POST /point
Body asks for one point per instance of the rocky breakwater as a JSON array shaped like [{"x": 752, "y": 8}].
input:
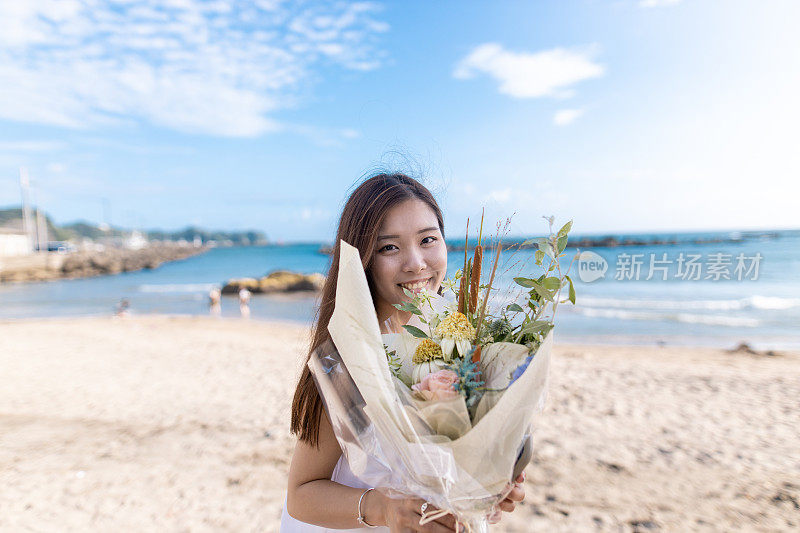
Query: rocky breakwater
[
  {"x": 41, "y": 267},
  {"x": 280, "y": 281}
]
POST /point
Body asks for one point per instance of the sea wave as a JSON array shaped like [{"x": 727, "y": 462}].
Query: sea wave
[
  {"x": 178, "y": 287},
  {"x": 690, "y": 318},
  {"x": 750, "y": 302}
]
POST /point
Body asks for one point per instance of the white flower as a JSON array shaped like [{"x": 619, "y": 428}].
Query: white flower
[{"x": 455, "y": 331}]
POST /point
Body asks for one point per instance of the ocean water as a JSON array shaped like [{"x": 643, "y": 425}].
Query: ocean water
[{"x": 710, "y": 303}]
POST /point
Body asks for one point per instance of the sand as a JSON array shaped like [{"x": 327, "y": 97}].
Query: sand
[{"x": 181, "y": 424}]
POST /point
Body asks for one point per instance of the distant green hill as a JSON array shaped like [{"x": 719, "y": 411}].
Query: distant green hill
[
  {"x": 238, "y": 238},
  {"x": 12, "y": 218}
]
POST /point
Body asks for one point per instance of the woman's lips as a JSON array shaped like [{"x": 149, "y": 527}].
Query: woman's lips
[{"x": 416, "y": 286}]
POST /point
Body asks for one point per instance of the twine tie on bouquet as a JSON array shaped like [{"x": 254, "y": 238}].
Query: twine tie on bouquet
[{"x": 433, "y": 514}]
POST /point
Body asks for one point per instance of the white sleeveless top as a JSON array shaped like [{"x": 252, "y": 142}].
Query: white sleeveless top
[{"x": 341, "y": 474}]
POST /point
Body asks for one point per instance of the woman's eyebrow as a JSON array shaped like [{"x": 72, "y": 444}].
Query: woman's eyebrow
[{"x": 383, "y": 237}]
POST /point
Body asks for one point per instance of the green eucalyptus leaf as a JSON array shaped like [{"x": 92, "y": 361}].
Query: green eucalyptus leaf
[
  {"x": 514, "y": 307},
  {"x": 536, "y": 326},
  {"x": 571, "y": 290},
  {"x": 552, "y": 283},
  {"x": 562, "y": 243},
  {"x": 541, "y": 291},
  {"x": 525, "y": 282},
  {"x": 547, "y": 249},
  {"x": 539, "y": 255},
  {"x": 565, "y": 229},
  {"x": 416, "y": 332},
  {"x": 409, "y": 307}
]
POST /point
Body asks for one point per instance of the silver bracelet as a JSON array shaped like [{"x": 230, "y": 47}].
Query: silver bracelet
[{"x": 360, "y": 514}]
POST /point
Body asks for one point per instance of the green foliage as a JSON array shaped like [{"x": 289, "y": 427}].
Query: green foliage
[
  {"x": 500, "y": 329},
  {"x": 468, "y": 385},
  {"x": 409, "y": 307},
  {"x": 571, "y": 290},
  {"x": 415, "y": 331},
  {"x": 544, "y": 292},
  {"x": 394, "y": 361}
]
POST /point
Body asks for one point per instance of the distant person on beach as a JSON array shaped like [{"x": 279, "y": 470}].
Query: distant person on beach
[
  {"x": 123, "y": 308},
  {"x": 214, "y": 296},
  {"x": 244, "y": 302}
]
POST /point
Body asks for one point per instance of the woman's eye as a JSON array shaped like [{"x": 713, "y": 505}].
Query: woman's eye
[{"x": 388, "y": 247}]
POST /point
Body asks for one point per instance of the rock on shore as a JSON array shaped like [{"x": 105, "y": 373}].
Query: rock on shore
[
  {"x": 41, "y": 267},
  {"x": 278, "y": 281}
]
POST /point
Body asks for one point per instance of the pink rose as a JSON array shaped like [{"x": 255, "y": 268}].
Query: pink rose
[{"x": 438, "y": 385}]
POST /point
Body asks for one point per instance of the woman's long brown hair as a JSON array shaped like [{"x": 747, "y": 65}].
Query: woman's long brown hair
[{"x": 359, "y": 223}]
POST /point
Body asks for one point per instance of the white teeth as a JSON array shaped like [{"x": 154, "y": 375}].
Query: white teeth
[{"x": 415, "y": 286}]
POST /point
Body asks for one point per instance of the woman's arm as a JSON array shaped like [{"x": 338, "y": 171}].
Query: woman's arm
[{"x": 313, "y": 498}]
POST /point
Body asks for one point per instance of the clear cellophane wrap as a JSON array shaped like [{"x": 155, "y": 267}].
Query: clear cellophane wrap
[{"x": 425, "y": 449}]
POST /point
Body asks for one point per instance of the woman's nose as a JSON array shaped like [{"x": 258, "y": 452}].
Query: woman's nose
[{"x": 415, "y": 261}]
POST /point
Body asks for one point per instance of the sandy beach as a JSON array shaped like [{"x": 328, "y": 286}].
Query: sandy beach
[{"x": 181, "y": 424}]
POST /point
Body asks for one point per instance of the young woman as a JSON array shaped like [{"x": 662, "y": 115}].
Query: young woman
[{"x": 397, "y": 226}]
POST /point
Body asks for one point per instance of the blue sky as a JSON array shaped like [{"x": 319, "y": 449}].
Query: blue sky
[{"x": 622, "y": 115}]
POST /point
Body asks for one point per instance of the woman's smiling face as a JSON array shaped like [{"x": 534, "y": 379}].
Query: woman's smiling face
[{"x": 411, "y": 253}]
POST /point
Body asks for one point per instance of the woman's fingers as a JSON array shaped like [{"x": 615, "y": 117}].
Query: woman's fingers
[
  {"x": 517, "y": 494},
  {"x": 506, "y": 505},
  {"x": 435, "y": 527}
]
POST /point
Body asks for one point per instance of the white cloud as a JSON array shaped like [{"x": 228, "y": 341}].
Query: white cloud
[
  {"x": 658, "y": 3},
  {"x": 530, "y": 75},
  {"x": 566, "y": 116},
  {"x": 202, "y": 67}
]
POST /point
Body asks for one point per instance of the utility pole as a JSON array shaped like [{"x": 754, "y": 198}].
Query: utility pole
[
  {"x": 41, "y": 223},
  {"x": 41, "y": 230},
  {"x": 27, "y": 223}
]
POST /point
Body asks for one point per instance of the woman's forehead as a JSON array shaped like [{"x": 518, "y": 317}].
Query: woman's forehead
[{"x": 409, "y": 217}]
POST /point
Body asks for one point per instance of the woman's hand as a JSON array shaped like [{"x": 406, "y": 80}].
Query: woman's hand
[
  {"x": 402, "y": 515},
  {"x": 517, "y": 494}
]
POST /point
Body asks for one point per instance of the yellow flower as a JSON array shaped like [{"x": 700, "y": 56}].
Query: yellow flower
[
  {"x": 426, "y": 351},
  {"x": 455, "y": 332}
]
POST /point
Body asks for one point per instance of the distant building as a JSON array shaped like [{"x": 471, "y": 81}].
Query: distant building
[
  {"x": 136, "y": 241},
  {"x": 14, "y": 243}
]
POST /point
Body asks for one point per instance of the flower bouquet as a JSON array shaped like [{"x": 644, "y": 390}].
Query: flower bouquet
[{"x": 442, "y": 408}]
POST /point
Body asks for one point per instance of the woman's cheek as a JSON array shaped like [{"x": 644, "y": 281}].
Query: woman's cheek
[{"x": 387, "y": 272}]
